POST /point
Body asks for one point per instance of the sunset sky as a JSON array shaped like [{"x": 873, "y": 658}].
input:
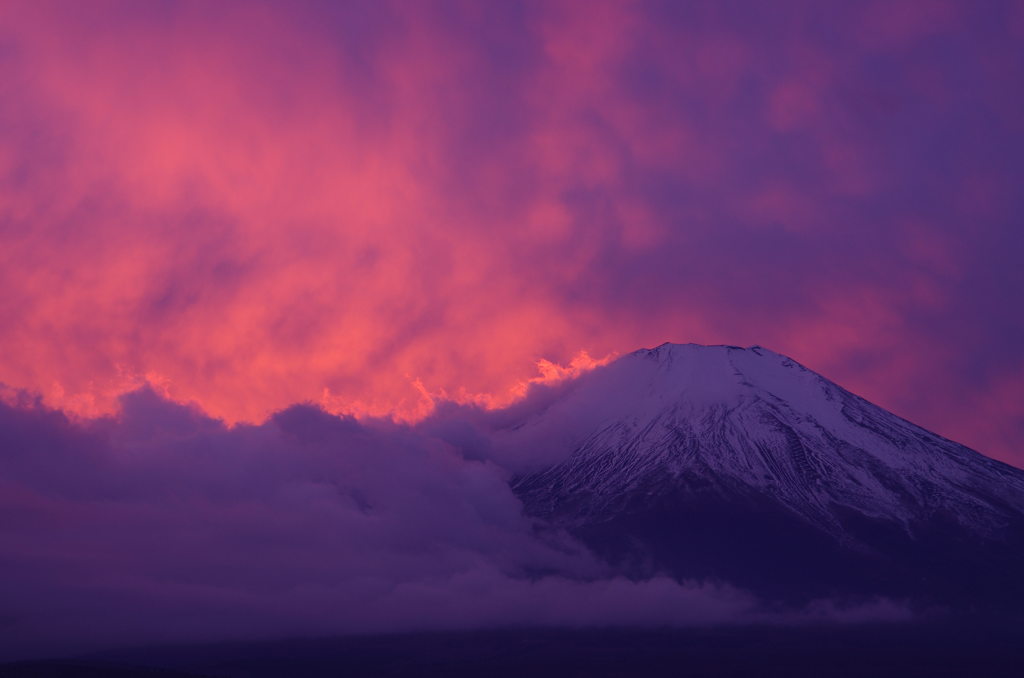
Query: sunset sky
[
  {"x": 372, "y": 206},
  {"x": 274, "y": 273}
]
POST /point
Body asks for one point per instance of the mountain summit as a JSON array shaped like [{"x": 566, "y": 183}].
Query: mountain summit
[{"x": 743, "y": 465}]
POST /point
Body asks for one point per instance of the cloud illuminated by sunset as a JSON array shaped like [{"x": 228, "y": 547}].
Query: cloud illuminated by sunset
[{"x": 374, "y": 205}]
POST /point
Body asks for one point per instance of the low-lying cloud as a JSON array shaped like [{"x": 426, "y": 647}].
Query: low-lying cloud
[{"x": 164, "y": 525}]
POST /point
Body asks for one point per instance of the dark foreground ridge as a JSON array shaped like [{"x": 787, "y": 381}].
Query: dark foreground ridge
[{"x": 905, "y": 651}]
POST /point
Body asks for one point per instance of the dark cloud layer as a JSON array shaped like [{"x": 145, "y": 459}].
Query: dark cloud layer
[{"x": 163, "y": 525}]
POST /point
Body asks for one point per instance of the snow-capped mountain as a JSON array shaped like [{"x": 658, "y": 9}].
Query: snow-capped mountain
[{"x": 741, "y": 464}]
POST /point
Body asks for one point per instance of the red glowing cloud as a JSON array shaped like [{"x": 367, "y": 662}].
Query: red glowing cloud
[{"x": 372, "y": 206}]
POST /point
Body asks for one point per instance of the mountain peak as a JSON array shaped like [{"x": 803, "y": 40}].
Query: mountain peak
[
  {"x": 680, "y": 435},
  {"x": 670, "y": 346},
  {"x": 724, "y": 355},
  {"x": 673, "y": 349},
  {"x": 698, "y": 375}
]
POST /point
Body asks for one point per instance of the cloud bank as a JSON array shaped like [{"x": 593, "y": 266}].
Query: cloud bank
[{"x": 162, "y": 525}]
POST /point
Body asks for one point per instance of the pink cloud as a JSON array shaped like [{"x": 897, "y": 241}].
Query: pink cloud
[{"x": 256, "y": 206}]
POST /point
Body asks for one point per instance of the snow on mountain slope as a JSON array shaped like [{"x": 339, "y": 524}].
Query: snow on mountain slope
[{"x": 680, "y": 416}]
